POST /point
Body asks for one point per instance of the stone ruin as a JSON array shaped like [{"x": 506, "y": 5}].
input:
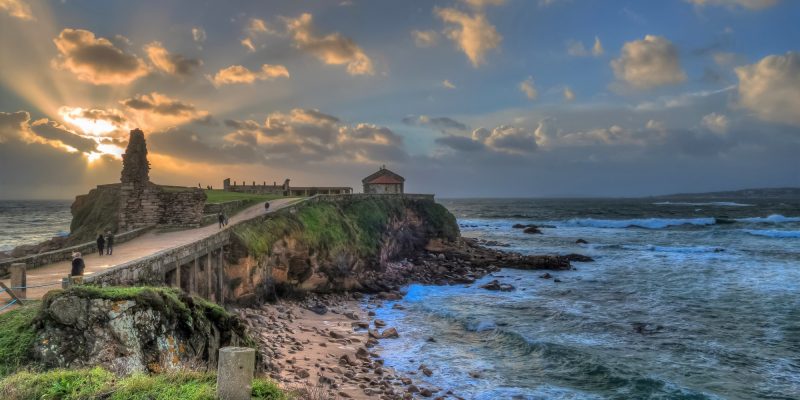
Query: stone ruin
[{"x": 143, "y": 203}]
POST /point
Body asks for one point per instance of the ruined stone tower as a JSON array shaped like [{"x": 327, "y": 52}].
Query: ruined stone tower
[{"x": 139, "y": 199}]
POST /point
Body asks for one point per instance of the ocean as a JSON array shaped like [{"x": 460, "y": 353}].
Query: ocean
[
  {"x": 32, "y": 221},
  {"x": 686, "y": 300}
]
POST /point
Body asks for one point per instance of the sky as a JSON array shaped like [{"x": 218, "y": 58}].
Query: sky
[{"x": 464, "y": 98}]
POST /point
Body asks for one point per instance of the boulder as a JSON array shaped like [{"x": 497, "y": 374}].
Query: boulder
[
  {"x": 389, "y": 333},
  {"x": 496, "y": 285},
  {"x": 581, "y": 241},
  {"x": 579, "y": 257},
  {"x": 532, "y": 230}
]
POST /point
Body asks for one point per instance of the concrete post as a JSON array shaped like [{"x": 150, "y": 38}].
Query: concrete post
[
  {"x": 235, "y": 373},
  {"x": 209, "y": 280},
  {"x": 66, "y": 283},
  {"x": 177, "y": 276},
  {"x": 193, "y": 275},
  {"x": 220, "y": 279},
  {"x": 18, "y": 280}
]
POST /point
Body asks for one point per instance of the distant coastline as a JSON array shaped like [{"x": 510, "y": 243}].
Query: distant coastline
[{"x": 760, "y": 193}]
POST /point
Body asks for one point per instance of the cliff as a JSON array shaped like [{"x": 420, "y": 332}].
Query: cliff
[
  {"x": 125, "y": 330},
  {"x": 332, "y": 245},
  {"x": 94, "y": 212}
]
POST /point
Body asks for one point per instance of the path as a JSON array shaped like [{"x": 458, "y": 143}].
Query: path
[{"x": 141, "y": 246}]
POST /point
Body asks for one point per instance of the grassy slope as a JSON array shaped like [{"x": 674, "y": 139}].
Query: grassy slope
[
  {"x": 220, "y": 196},
  {"x": 17, "y": 334},
  {"x": 97, "y": 382},
  {"x": 358, "y": 225}
]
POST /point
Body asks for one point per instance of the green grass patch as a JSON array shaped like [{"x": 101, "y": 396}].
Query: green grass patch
[
  {"x": 17, "y": 334},
  {"x": 98, "y": 383},
  {"x": 220, "y": 196}
]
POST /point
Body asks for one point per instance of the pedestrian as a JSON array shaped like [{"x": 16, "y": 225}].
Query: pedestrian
[
  {"x": 266, "y": 206},
  {"x": 101, "y": 244},
  {"x": 109, "y": 242},
  {"x": 221, "y": 219},
  {"x": 226, "y": 219},
  {"x": 76, "y": 274}
]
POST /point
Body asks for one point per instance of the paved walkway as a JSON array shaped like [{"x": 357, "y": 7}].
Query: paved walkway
[{"x": 141, "y": 246}]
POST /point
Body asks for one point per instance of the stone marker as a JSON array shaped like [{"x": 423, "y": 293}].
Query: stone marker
[
  {"x": 18, "y": 280},
  {"x": 235, "y": 373}
]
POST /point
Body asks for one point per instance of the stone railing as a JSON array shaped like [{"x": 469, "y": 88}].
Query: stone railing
[{"x": 37, "y": 260}]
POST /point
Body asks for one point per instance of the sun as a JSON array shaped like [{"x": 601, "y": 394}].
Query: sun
[{"x": 82, "y": 118}]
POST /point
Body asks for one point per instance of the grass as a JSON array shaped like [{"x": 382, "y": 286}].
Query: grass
[
  {"x": 216, "y": 196},
  {"x": 17, "y": 334},
  {"x": 98, "y": 383}
]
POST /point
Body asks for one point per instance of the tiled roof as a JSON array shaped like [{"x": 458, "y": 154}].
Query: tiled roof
[
  {"x": 383, "y": 172},
  {"x": 386, "y": 179}
]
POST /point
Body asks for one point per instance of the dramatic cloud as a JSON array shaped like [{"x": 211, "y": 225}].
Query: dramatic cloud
[
  {"x": 240, "y": 74},
  {"x": 527, "y": 87},
  {"x": 439, "y": 123},
  {"x": 12, "y": 124},
  {"x": 472, "y": 33},
  {"x": 647, "y": 63},
  {"x": 717, "y": 123},
  {"x": 155, "y": 111},
  {"x": 771, "y": 88},
  {"x": 96, "y": 60},
  {"x": 17, "y": 9},
  {"x": 749, "y": 4},
  {"x": 597, "y": 49},
  {"x": 483, "y": 3},
  {"x": 569, "y": 95},
  {"x": 95, "y": 121},
  {"x": 332, "y": 49},
  {"x": 448, "y": 85},
  {"x": 174, "y": 64},
  {"x": 51, "y": 130},
  {"x": 425, "y": 38},
  {"x": 18, "y": 127}
]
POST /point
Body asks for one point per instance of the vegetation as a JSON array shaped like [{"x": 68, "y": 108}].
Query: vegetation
[
  {"x": 17, "y": 334},
  {"x": 92, "y": 213},
  {"x": 358, "y": 224},
  {"x": 220, "y": 196},
  {"x": 99, "y": 383}
]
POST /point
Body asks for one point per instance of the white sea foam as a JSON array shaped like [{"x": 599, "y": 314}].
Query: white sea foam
[
  {"x": 772, "y": 219},
  {"x": 774, "y": 233},
  {"x": 711, "y": 203},
  {"x": 647, "y": 223}
]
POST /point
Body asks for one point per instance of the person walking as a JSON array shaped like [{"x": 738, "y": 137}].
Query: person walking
[
  {"x": 109, "y": 242},
  {"x": 76, "y": 274},
  {"x": 101, "y": 244},
  {"x": 266, "y": 206},
  {"x": 221, "y": 219}
]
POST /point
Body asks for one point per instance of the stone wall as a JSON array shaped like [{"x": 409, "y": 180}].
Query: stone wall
[{"x": 183, "y": 208}]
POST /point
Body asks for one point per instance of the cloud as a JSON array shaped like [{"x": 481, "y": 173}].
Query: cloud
[
  {"x": 299, "y": 136},
  {"x": 425, "y": 38},
  {"x": 527, "y": 87},
  {"x": 174, "y": 64},
  {"x": 647, "y": 63},
  {"x": 771, "y": 88},
  {"x": 717, "y": 123},
  {"x": 448, "y": 85},
  {"x": 240, "y": 74},
  {"x": 17, "y": 9},
  {"x": 654, "y": 125},
  {"x": 12, "y": 124},
  {"x": 331, "y": 49},
  {"x": 479, "y": 4},
  {"x": 51, "y": 130},
  {"x": 597, "y": 48},
  {"x": 155, "y": 111},
  {"x": 472, "y": 33},
  {"x": 576, "y": 48},
  {"x": 96, "y": 60},
  {"x": 440, "y": 123},
  {"x": 748, "y": 4},
  {"x": 198, "y": 34},
  {"x": 95, "y": 121},
  {"x": 569, "y": 95},
  {"x": 255, "y": 28},
  {"x": 502, "y": 139}
]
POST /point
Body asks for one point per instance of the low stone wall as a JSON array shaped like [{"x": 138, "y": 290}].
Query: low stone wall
[
  {"x": 181, "y": 208},
  {"x": 214, "y": 208},
  {"x": 37, "y": 260}
]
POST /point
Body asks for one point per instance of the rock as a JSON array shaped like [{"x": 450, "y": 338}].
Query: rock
[
  {"x": 431, "y": 339},
  {"x": 425, "y": 392},
  {"x": 474, "y": 374},
  {"x": 412, "y": 389},
  {"x": 362, "y": 353},
  {"x": 427, "y": 371},
  {"x": 496, "y": 285},
  {"x": 346, "y": 360},
  {"x": 318, "y": 309},
  {"x": 519, "y": 226},
  {"x": 390, "y": 333},
  {"x": 581, "y": 241},
  {"x": 351, "y": 315},
  {"x": 532, "y": 230},
  {"x": 302, "y": 374},
  {"x": 579, "y": 257},
  {"x": 557, "y": 280},
  {"x": 546, "y": 275},
  {"x": 379, "y": 323}
]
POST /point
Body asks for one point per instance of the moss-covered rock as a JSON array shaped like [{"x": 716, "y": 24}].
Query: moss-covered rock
[{"x": 134, "y": 329}]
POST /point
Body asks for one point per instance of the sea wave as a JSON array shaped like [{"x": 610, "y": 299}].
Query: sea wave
[
  {"x": 674, "y": 249},
  {"x": 711, "y": 203},
  {"x": 774, "y": 233},
  {"x": 646, "y": 223},
  {"x": 772, "y": 219}
]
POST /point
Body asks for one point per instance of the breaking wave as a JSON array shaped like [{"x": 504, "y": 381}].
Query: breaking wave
[
  {"x": 774, "y": 233},
  {"x": 712, "y": 203},
  {"x": 772, "y": 219},
  {"x": 647, "y": 223}
]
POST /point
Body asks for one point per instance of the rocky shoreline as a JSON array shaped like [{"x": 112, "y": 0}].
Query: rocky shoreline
[{"x": 325, "y": 344}]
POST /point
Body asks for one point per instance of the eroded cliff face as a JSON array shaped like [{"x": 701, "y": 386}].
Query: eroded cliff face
[
  {"x": 129, "y": 330},
  {"x": 331, "y": 246}
]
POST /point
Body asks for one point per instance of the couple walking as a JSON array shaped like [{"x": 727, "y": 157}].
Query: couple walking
[{"x": 105, "y": 243}]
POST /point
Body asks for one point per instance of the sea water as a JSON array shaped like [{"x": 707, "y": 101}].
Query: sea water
[
  {"x": 686, "y": 300},
  {"x": 32, "y": 221}
]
